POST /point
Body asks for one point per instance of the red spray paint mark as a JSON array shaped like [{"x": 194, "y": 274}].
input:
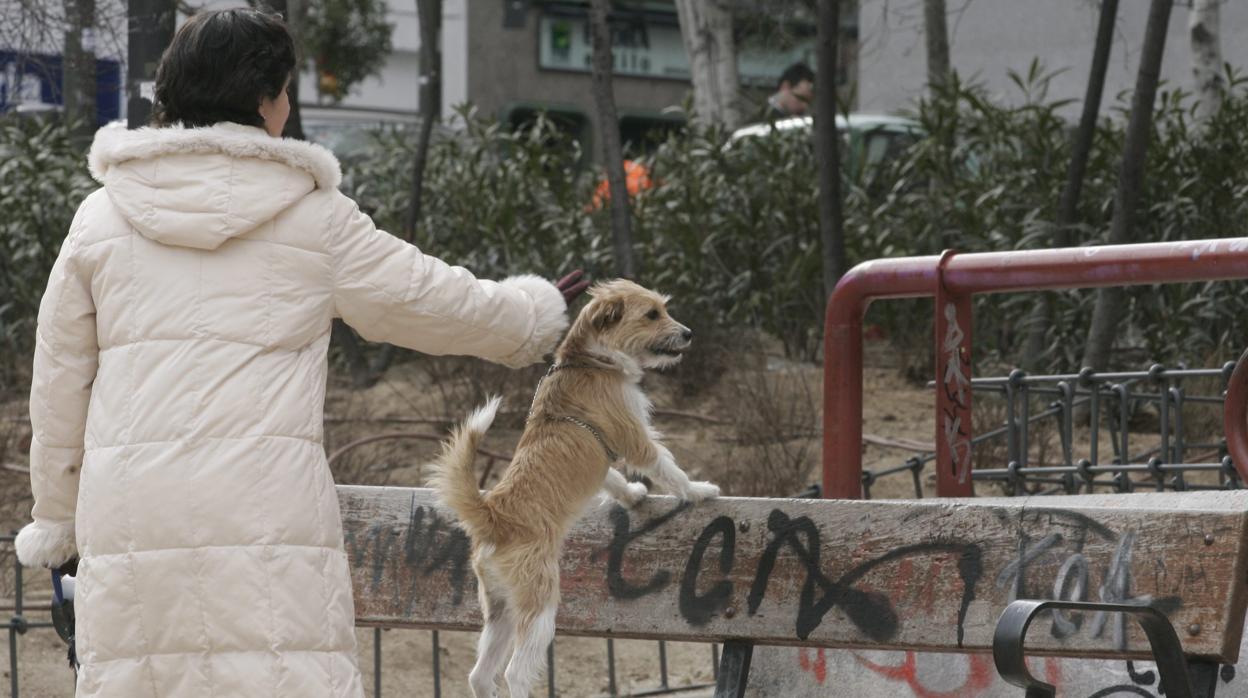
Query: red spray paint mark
[
  {"x": 818, "y": 667},
  {"x": 979, "y": 676},
  {"x": 928, "y": 589},
  {"x": 1053, "y": 671}
]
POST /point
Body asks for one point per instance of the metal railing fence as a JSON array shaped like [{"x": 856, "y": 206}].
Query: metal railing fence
[{"x": 1099, "y": 407}]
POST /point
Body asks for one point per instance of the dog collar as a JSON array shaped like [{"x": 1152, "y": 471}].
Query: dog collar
[
  {"x": 553, "y": 367},
  {"x": 560, "y": 367}
]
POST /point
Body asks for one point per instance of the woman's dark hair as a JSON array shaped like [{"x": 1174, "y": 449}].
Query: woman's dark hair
[{"x": 220, "y": 65}]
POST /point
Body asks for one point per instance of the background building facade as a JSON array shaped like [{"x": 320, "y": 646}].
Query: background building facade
[{"x": 989, "y": 39}]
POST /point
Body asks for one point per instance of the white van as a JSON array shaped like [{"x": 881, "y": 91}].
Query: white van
[{"x": 871, "y": 138}]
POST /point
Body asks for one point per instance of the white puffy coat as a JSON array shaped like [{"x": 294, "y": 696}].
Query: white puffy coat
[{"x": 179, "y": 384}]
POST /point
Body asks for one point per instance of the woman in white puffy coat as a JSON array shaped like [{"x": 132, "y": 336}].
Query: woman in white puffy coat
[{"x": 179, "y": 382}]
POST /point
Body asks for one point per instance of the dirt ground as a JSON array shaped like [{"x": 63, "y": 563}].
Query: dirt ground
[{"x": 721, "y": 416}]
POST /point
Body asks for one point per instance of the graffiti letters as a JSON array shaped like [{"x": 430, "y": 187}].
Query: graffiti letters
[
  {"x": 956, "y": 386},
  {"x": 785, "y": 569},
  {"x": 698, "y": 608},
  {"x": 622, "y": 535},
  {"x": 871, "y": 611},
  {"x": 429, "y": 543},
  {"x": 1072, "y": 579}
]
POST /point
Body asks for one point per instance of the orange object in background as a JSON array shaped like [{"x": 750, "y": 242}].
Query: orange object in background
[{"x": 636, "y": 180}]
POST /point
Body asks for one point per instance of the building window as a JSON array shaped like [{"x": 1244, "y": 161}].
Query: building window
[{"x": 642, "y": 133}]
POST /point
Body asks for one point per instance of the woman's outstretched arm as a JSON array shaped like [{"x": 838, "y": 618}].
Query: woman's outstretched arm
[{"x": 389, "y": 291}]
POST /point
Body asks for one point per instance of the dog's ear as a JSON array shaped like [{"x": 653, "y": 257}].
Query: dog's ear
[{"x": 606, "y": 312}]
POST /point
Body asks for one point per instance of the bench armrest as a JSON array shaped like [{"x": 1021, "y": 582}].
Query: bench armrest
[{"x": 1008, "y": 641}]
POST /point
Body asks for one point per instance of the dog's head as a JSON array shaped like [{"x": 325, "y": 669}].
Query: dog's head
[{"x": 626, "y": 318}]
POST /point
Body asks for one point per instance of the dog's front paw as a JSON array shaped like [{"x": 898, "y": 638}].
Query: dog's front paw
[
  {"x": 700, "y": 491},
  {"x": 634, "y": 494}
]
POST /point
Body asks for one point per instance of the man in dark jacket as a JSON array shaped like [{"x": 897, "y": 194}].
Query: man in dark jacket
[{"x": 794, "y": 92}]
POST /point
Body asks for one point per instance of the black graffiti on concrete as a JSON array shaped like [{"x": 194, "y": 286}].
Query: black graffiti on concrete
[
  {"x": 1125, "y": 689},
  {"x": 436, "y": 545},
  {"x": 377, "y": 538},
  {"x": 1074, "y": 532},
  {"x": 1147, "y": 678},
  {"x": 871, "y": 612},
  {"x": 429, "y": 544},
  {"x": 699, "y": 608},
  {"x": 1072, "y": 582},
  {"x": 1140, "y": 678},
  {"x": 622, "y": 535}
]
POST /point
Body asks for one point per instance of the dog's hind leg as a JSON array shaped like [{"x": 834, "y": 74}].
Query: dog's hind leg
[
  {"x": 530, "y": 654},
  {"x": 535, "y": 631},
  {"x": 497, "y": 638}
]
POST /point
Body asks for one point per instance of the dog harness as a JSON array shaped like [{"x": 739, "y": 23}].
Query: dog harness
[{"x": 612, "y": 456}]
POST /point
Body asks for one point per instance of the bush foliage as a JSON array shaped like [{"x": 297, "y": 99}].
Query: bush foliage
[
  {"x": 43, "y": 178},
  {"x": 732, "y": 230},
  {"x": 995, "y": 175}
]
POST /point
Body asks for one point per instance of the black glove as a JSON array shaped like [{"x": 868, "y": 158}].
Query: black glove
[{"x": 572, "y": 285}]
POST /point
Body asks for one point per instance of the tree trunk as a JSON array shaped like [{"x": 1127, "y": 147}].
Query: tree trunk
[
  {"x": 78, "y": 80},
  {"x": 1206, "y": 57},
  {"x": 293, "y": 11},
  {"x": 1110, "y": 301},
  {"x": 827, "y": 144},
  {"x": 937, "y": 34},
  {"x": 150, "y": 30},
  {"x": 706, "y": 26},
  {"x": 429, "y": 16},
  {"x": 608, "y": 128},
  {"x": 1068, "y": 204}
]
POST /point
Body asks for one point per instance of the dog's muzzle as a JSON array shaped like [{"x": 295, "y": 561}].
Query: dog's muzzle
[{"x": 675, "y": 346}]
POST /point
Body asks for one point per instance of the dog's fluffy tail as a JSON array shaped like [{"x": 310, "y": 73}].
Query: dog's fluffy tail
[{"x": 455, "y": 479}]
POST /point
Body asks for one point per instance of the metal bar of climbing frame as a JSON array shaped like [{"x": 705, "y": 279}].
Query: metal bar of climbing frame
[{"x": 988, "y": 272}]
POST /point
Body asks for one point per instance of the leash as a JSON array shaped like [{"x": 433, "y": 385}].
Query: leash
[{"x": 612, "y": 456}]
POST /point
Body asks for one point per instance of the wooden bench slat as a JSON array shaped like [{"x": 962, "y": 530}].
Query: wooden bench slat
[{"x": 925, "y": 574}]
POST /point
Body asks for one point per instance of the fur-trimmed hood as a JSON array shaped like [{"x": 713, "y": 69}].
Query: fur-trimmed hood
[{"x": 198, "y": 187}]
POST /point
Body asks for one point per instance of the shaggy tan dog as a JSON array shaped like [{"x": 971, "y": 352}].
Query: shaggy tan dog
[{"x": 589, "y": 412}]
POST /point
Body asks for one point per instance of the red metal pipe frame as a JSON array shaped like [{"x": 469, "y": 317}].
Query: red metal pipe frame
[
  {"x": 953, "y": 385},
  {"x": 1235, "y": 416},
  {"x": 996, "y": 272}
]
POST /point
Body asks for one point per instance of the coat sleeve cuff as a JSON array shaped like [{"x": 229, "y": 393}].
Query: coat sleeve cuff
[
  {"x": 550, "y": 313},
  {"x": 49, "y": 545}
]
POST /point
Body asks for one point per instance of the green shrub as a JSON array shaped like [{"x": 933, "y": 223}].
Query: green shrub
[
  {"x": 495, "y": 201},
  {"x": 732, "y": 231},
  {"x": 43, "y": 179},
  {"x": 989, "y": 178}
]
